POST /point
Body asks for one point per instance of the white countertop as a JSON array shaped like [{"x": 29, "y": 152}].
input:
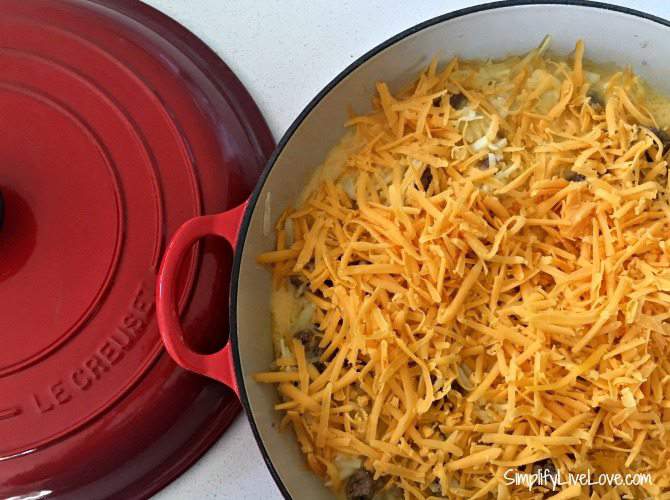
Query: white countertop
[{"x": 285, "y": 52}]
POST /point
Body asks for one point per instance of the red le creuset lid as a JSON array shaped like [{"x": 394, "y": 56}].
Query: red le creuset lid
[{"x": 116, "y": 126}]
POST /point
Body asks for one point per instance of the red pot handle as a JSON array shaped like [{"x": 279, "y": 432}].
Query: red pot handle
[{"x": 219, "y": 365}]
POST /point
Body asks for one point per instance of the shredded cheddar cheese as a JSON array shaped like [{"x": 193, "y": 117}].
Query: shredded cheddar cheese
[{"x": 484, "y": 285}]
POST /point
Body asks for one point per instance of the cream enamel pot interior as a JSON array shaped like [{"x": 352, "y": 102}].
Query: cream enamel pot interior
[{"x": 611, "y": 34}]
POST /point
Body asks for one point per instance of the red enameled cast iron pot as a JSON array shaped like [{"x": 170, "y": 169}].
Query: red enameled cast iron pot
[
  {"x": 489, "y": 31},
  {"x": 118, "y": 125}
]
